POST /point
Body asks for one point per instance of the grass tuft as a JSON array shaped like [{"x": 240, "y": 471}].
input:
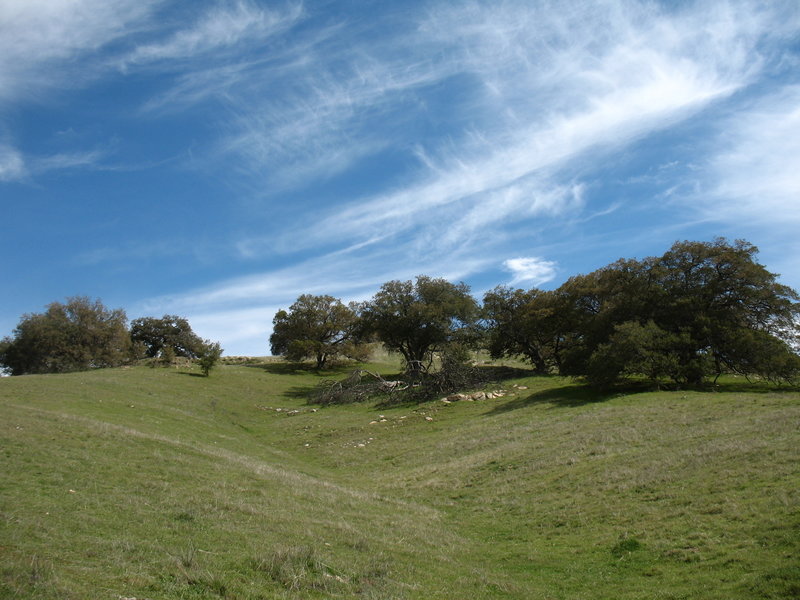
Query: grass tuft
[
  {"x": 298, "y": 568},
  {"x": 625, "y": 546}
]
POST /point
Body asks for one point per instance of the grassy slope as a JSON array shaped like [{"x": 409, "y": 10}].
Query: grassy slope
[{"x": 160, "y": 484}]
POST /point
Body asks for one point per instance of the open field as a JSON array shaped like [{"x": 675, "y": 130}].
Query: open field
[{"x": 160, "y": 484}]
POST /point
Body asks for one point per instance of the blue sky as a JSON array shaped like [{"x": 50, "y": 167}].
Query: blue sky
[{"x": 215, "y": 159}]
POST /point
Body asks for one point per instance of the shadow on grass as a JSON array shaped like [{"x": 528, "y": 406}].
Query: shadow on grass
[
  {"x": 300, "y": 392},
  {"x": 566, "y": 396},
  {"x": 579, "y": 394},
  {"x": 191, "y": 374},
  {"x": 499, "y": 373},
  {"x": 303, "y": 368},
  {"x": 740, "y": 385},
  {"x": 283, "y": 368}
]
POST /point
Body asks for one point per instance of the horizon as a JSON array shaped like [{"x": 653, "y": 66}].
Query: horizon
[{"x": 217, "y": 159}]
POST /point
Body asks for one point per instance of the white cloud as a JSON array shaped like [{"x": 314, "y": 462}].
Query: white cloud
[
  {"x": 336, "y": 273},
  {"x": 66, "y": 161},
  {"x": 533, "y": 270},
  {"x": 219, "y": 28},
  {"x": 341, "y": 106},
  {"x": 39, "y": 40},
  {"x": 608, "y": 76},
  {"x": 12, "y": 165},
  {"x": 756, "y": 171}
]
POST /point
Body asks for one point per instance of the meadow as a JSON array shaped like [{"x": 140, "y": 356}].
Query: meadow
[{"x": 162, "y": 484}]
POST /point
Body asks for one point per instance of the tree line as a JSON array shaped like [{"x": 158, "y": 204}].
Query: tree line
[
  {"x": 82, "y": 334},
  {"x": 700, "y": 310}
]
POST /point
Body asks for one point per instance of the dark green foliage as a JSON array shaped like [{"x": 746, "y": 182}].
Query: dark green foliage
[
  {"x": 637, "y": 349},
  {"x": 80, "y": 334},
  {"x": 526, "y": 323},
  {"x": 418, "y": 318},
  {"x": 166, "y": 358},
  {"x": 209, "y": 355},
  {"x": 170, "y": 331},
  {"x": 318, "y": 327},
  {"x": 700, "y": 310}
]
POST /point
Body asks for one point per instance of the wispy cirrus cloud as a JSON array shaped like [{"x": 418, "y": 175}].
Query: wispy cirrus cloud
[
  {"x": 318, "y": 275},
  {"x": 12, "y": 165},
  {"x": 610, "y": 76},
  {"x": 221, "y": 27},
  {"x": 343, "y": 102},
  {"x": 15, "y": 166},
  {"x": 48, "y": 45},
  {"x": 40, "y": 40},
  {"x": 755, "y": 171}
]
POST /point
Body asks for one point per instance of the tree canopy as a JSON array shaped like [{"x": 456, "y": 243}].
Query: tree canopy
[
  {"x": 170, "y": 331},
  {"x": 701, "y": 309},
  {"x": 421, "y": 317},
  {"x": 77, "y": 335},
  {"x": 318, "y": 327},
  {"x": 527, "y": 323},
  {"x": 209, "y": 354}
]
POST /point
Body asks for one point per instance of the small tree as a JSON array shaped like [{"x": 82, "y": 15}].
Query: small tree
[
  {"x": 318, "y": 327},
  {"x": 209, "y": 355},
  {"x": 419, "y": 318},
  {"x": 166, "y": 358},
  {"x": 170, "y": 331}
]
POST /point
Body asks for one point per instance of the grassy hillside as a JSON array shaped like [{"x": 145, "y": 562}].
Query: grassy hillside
[{"x": 158, "y": 483}]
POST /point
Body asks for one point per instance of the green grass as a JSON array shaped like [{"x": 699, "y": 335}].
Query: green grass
[{"x": 159, "y": 484}]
